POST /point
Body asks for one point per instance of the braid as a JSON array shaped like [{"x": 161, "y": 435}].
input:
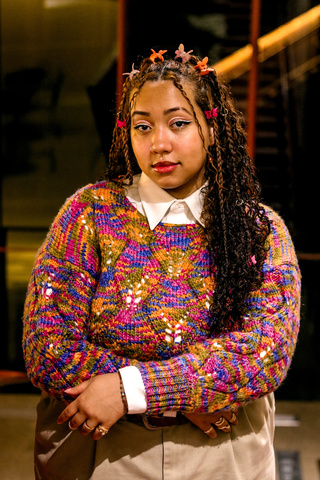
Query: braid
[
  {"x": 221, "y": 189},
  {"x": 124, "y": 139},
  {"x": 121, "y": 164}
]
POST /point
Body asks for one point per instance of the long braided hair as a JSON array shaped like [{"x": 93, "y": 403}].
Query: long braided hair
[{"x": 236, "y": 224}]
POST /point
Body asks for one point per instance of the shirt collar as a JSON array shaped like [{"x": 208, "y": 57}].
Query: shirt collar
[{"x": 156, "y": 202}]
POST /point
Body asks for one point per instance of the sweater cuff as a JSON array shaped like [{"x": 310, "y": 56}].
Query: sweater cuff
[{"x": 164, "y": 388}]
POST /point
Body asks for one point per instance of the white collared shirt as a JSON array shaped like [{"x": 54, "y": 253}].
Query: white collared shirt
[{"x": 157, "y": 205}]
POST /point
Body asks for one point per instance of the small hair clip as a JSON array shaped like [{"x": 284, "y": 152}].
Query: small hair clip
[
  {"x": 154, "y": 55},
  {"x": 180, "y": 53},
  {"x": 252, "y": 260},
  {"x": 202, "y": 66},
  {"x": 211, "y": 113},
  {"x": 121, "y": 124},
  {"x": 132, "y": 73}
]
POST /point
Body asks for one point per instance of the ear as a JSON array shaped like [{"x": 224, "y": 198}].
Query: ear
[{"x": 211, "y": 136}]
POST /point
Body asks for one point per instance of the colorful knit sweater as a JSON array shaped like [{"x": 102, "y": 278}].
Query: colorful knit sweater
[{"x": 107, "y": 292}]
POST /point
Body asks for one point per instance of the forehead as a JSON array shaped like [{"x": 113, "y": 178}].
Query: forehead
[{"x": 162, "y": 92}]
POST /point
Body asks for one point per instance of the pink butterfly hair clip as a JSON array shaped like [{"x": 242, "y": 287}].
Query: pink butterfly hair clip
[
  {"x": 202, "y": 66},
  {"x": 211, "y": 113},
  {"x": 122, "y": 124},
  {"x": 154, "y": 55},
  {"x": 180, "y": 53}
]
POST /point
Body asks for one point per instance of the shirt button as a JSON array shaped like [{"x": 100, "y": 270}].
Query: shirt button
[{"x": 179, "y": 206}]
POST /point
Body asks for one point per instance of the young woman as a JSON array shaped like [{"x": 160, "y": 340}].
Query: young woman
[{"x": 163, "y": 308}]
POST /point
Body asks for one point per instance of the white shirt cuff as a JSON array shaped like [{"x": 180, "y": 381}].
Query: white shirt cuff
[{"x": 134, "y": 389}]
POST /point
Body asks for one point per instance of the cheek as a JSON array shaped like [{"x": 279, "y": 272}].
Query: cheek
[
  {"x": 195, "y": 147},
  {"x": 139, "y": 147},
  {"x": 140, "y": 152},
  {"x": 135, "y": 148}
]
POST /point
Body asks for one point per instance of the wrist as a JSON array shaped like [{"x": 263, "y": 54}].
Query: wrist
[{"x": 123, "y": 393}]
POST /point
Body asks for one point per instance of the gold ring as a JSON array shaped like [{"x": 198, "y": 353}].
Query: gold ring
[
  {"x": 223, "y": 425},
  {"x": 88, "y": 427},
  {"x": 102, "y": 430},
  {"x": 233, "y": 418},
  {"x": 208, "y": 431}
]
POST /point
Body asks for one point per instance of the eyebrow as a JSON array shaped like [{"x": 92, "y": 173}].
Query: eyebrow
[
  {"x": 166, "y": 112},
  {"x": 175, "y": 109},
  {"x": 139, "y": 112}
]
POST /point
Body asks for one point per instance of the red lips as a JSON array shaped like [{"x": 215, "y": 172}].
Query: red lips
[{"x": 164, "y": 167}]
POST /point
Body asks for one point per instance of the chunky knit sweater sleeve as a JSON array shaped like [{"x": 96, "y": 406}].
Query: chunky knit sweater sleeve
[
  {"x": 244, "y": 365},
  {"x": 57, "y": 348}
]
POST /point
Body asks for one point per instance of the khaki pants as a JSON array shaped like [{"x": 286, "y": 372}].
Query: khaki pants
[{"x": 182, "y": 452}]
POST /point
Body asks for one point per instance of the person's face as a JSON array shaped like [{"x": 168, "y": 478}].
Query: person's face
[{"x": 165, "y": 137}]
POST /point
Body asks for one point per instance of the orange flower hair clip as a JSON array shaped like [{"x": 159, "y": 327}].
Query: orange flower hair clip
[
  {"x": 202, "y": 66},
  {"x": 154, "y": 55}
]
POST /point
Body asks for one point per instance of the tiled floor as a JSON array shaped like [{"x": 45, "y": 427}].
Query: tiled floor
[{"x": 18, "y": 414}]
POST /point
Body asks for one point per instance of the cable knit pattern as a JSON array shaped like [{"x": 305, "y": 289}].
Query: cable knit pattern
[{"x": 106, "y": 292}]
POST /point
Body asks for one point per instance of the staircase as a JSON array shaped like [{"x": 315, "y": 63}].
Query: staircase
[{"x": 272, "y": 157}]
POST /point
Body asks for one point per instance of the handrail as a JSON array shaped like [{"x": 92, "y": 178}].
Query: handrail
[
  {"x": 238, "y": 63},
  {"x": 253, "y": 77}
]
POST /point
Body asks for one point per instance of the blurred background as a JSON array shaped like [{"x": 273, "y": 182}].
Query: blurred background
[{"x": 61, "y": 72}]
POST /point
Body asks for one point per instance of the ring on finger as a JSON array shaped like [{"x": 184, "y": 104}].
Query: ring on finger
[
  {"x": 71, "y": 428},
  {"x": 223, "y": 425},
  {"x": 207, "y": 432},
  {"x": 233, "y": 418},
  {"x": 88, "y": 427},
  {"x": 102, "y": 430}
]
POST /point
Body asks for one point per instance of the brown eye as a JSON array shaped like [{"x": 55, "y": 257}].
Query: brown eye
[
  {"x": 142, "y": 127},
  {"x": 179, "y": 124}
]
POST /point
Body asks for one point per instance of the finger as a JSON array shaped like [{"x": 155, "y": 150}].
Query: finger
[
  {"x": 223, "y": 425},
  {"x": 230, "y": 417},
  {"x": 100, "y": 432},
  {"x": 235, "y": 412},
  {"x": 233, "y": 419},
  {"x": 67, "y": 413},
  {"x": 77, "y": 390},
  {"x": 76, "y": 421},
  {"x": 210, "y": 432},
  {"x": 87, "y": 428},
  {"x": 71, "y": 427}
]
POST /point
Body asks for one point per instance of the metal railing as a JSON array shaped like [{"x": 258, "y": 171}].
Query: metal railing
[{"x": 239, "y": 62}]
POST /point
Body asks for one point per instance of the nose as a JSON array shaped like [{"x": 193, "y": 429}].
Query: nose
[{"x": 161, "y": 141}]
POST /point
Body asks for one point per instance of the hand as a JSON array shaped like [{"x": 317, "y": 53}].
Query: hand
[
  {"x": 97, "y": 406},
  {"x": 221, "y": 420}
]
